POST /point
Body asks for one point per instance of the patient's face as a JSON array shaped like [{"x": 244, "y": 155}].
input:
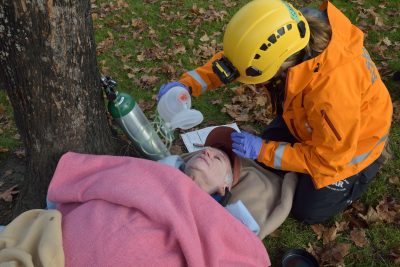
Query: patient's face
[{"x": 208, "y": 169}]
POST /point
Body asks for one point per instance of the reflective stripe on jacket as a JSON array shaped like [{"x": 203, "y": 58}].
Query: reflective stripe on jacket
[
  {"x": 203, "y": 78},
  {"x": 336, "y": 105}
]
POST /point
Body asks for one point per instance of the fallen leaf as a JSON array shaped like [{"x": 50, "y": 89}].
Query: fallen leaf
[
  {"x": 229, "y": 4},
  {"x": 318, "y": 230},
  {"x": 387, "y": 210},
  {"x": 242, "y": 117},
  {"x": 104, "y": 45},
  {"x": 379, "y": 21},
  {"x": 386, "y": 41},
  {"x": 396, "y": 111},
  {"x": 342, "y": 226},
  {"x": 179, "y": 49},
  {"x": 359, "y": 206},
  {"x": 126, "y": 58},
  {"x": 334, "y": 255},
  {"x": 249, "y": 128},
  {"x": 358, "y": 237},
  {"x": 355, "y": 220},
  {"x": 3, "y": 150},
  {"x": 371, "y": 216},
  {"x": 176, "y": 150},
  {"x": 261, "y": 100},
  {"x": 140, "y": 57},
  {"x": 395, "y": 255},
  {"x": 7, "y": 195},
  {"x": 95, "y": 16},
  {"x": 314, "y": 250},
  {"x": 394, "y": 180},
  {"x": 151, "y": 31},
  {"x": 20, "y": 153},
  {"x": 204, "y": 38},
  {"x": 167, "y": 68},
  {"x": 148, "y": 80},
  {"x": 110, "y": 35},
  {"x": 329, "y": 235},
  {"x": 137, "y": 23},
  {"x": 146, "y": 105},
  {"x": 121, "y": 3}
]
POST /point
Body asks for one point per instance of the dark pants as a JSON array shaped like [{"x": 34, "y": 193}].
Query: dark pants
[{"x": 311, "y": 205}]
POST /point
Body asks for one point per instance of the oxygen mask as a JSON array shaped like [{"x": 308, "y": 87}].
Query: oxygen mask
[{"x": 174, "y": 111}]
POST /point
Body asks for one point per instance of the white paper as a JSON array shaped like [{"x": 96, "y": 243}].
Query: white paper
[
  {"x": 199, "y": 136},
  {"x": 240, "y": 212}
]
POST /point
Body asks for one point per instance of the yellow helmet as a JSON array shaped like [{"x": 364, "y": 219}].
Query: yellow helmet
[{"x": 261, "y": 36}]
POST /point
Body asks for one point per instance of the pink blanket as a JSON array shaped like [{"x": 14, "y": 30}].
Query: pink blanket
[{"x": 122, "y": 211}]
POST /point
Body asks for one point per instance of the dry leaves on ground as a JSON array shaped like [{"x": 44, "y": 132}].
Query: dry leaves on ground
[
  {"x": 330, "y": 255},
  {"x": 395, "y": 255},
  {"x": 358, "y": 237},
  {"x": 396, "y": 111},
  {"x": 9, "y": 194},
  {"x": 394, "y": 180},
  {"x": 387, "y": 211},
  {"x": 20, "y": 153},
  {"x": 357, "y": 218},
  {"x": 4, "y": 150},
  {"x": 334, "y": 255},
  {"x": 250, "y": 105},
  {"x": 329, "y": 234}
]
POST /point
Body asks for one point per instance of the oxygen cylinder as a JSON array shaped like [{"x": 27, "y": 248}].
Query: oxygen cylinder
[{"x": 124, "y": 109}]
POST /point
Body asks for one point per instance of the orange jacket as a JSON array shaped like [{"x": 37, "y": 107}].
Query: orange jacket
[{"x": 336, "y": 105}]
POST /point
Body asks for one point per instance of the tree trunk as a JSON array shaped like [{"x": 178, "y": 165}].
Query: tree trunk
[{"x": 49, "y": 70}]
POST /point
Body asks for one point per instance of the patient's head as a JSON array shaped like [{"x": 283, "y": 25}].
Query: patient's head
[{"x": 211, "y": 170}]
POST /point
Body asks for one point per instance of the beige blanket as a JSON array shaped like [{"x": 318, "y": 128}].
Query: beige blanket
[
  {"x": 267, "y": 196},
  {"x": 33, "y": 239}
]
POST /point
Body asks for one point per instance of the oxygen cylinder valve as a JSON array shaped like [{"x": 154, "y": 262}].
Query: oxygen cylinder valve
[{"x": 109, "y": 87}]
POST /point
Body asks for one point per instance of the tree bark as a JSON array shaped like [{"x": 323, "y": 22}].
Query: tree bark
[{"x": 49, "y": 71}]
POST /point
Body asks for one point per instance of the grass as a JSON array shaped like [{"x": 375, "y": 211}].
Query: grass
[
  {"x": 9, "y": 139},
  {"x": 170, "y": 24}
]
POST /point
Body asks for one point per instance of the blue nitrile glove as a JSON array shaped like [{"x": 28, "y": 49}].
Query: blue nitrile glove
[
  {"x": 165, "y": 87},
  {"x": 246, "y": 145}
]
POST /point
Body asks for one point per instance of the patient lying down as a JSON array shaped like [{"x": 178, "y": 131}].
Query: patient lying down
[
  {"x": 215, "y": 170},
  {"x": 211, "y": 170}
]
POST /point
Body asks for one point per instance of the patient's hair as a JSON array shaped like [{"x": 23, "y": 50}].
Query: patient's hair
[{"x": 229, "y": 177}]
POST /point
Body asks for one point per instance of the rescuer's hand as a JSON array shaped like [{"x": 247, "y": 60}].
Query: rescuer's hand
[
  {"x": 167, "y": 86},
  {"x": 246, "y": 145}
]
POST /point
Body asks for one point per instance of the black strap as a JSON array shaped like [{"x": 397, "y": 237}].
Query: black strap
[{"x": 225, "y": 199}]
